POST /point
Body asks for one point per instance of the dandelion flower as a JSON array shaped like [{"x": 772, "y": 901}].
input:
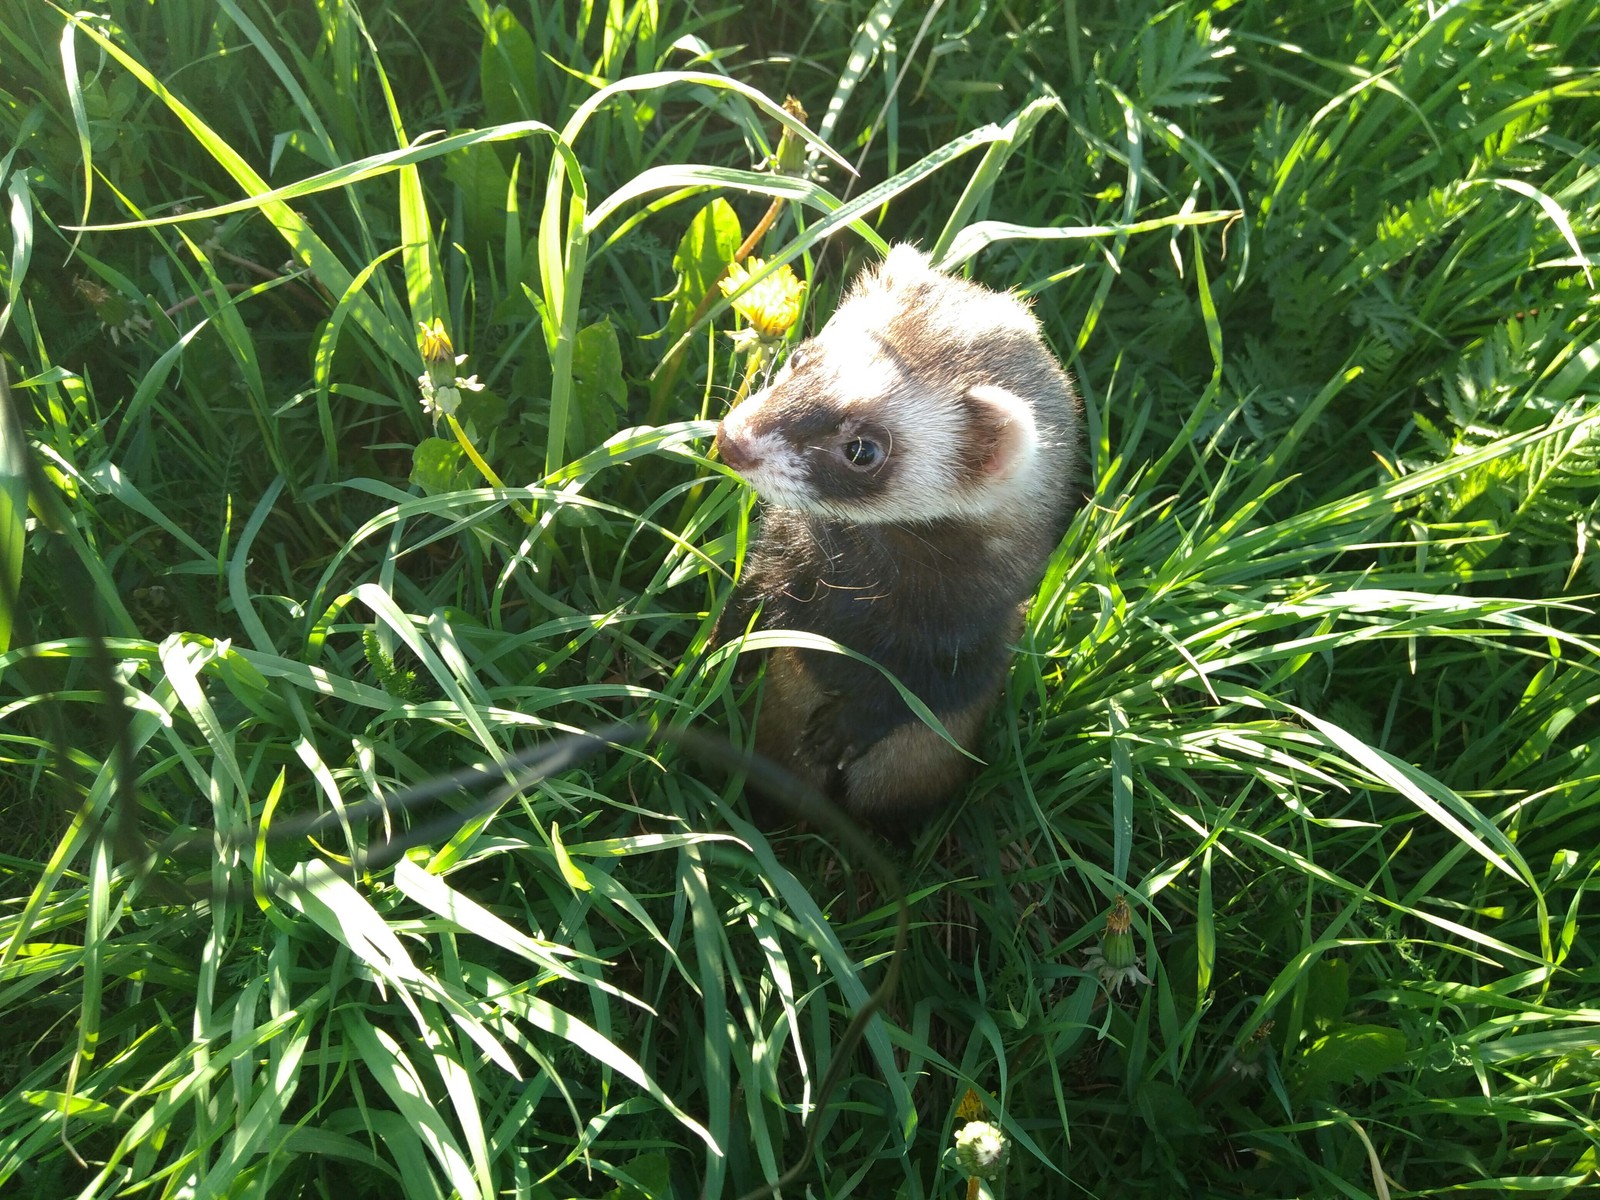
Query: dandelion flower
[{"x": 772, "y": 306}]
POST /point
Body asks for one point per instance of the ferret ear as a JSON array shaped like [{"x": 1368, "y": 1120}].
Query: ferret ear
[
  {"x": 905, "y": 265},
  {"x": 1003, "y": 433}
]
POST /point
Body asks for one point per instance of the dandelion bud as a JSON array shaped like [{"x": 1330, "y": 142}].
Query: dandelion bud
[
  {"x": 440, "y": 386},
  {"x": 1117, "y": 946},
  {"x": 1115, "y": 960},
  {"x": 791, "y": 152},
  {"x": 436, "y": 345}
]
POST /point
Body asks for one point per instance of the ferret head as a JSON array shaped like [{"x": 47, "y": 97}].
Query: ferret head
[{"x": 919, "y": 401}]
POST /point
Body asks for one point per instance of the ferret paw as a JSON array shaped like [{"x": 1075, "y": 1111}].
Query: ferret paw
[{"x": 828, "y": 737}]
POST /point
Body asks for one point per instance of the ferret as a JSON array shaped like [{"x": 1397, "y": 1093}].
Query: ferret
[{"x": 918, "y": 460}]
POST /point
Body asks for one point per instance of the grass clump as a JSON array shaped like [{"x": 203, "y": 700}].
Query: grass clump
[{"x": 1304, "y": 708}]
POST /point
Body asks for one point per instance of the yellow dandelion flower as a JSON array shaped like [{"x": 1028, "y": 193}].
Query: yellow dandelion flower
[
  {"x": 972, "y": 1106},
  {"x": 772, "y": 306},
  {"x": 436, "y": 345}
]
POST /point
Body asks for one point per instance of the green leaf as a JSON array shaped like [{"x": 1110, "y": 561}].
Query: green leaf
[
  {"x": 650, "y": 1178},
  {"x": 79, "y": 1108},
  {"x": 704, "y": 251},
  {"x": 571, "y": 872},
  {"x": 482, "y": 412},
  {"x": 13, "y": 507},
  {"x": 482, "y": 184},
  {"x": 507, "y": 69},
  {"x": 408, "y": 1090},
  {"x": 436, "y": 464},
  {"x": 1349, "y": 1054},
  {"x": 1169, "y": 1112},
  {"x": 597, "y": 381},
  {"x": 1327, "y": 992}
]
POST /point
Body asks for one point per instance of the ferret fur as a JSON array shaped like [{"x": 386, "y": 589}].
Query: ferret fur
[{"x": 918, "y": 462}]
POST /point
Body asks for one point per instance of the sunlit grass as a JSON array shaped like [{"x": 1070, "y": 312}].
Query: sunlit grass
[{"x": 1309, "y": 684}]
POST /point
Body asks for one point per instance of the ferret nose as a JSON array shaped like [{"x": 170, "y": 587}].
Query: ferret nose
[{"x": 735, "y": 453}]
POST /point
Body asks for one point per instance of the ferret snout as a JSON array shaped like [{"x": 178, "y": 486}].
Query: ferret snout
[
  {"x": 738, "y": 454},
  {"x": 738, "y": 442}
]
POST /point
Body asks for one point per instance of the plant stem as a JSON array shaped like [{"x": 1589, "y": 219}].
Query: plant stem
[{"x": 484, "y": 468}]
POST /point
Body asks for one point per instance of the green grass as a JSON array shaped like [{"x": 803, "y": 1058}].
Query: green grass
[{"x": 1311, "y": 683}]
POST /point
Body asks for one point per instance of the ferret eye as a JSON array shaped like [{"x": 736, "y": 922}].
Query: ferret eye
[{"x": 863, "y": 453}]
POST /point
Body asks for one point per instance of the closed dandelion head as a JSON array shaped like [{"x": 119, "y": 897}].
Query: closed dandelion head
[
  {"x": 772, "y": 306},
  {"x": 1114, "y": 959},
  {"x": 1248, "y": 1059},
  {"x": 790, "y": 156},
  {"x": 440, "y": 386},
  {"x": 114, "y": 310},
  {"x": 436, "y": 345},
  {"x": 795, "y": 156},
  {"x": 95, "y": 293}
]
